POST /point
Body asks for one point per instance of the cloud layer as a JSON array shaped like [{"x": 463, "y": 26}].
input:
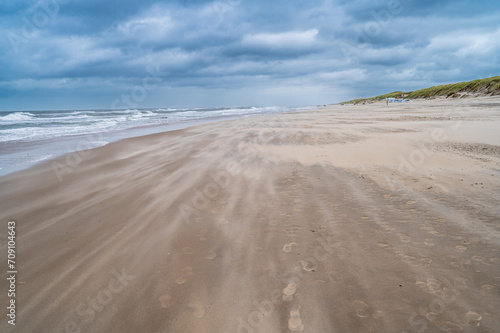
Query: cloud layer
[{"x": 75, "y": 54}]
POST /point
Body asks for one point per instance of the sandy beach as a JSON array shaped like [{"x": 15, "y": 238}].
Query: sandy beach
[{"x": 365, "y": 218}]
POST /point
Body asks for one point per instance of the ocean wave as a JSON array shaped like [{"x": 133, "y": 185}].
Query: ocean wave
[
  {"x": 40, "y": 158},
  {"x": 40, "y": 125},
  {"x": 17, "y": 116},
  {"x": 41, "y": 132}
]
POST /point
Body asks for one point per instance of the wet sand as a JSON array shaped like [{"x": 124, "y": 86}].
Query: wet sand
[{"x": 368, "y": 218}]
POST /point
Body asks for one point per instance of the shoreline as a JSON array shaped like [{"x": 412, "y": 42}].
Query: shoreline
[
  {"x": 25, "y": 154},
  {"x": 342, "y": 218}
]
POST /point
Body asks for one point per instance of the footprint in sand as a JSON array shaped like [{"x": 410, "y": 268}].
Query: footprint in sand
[
  {"x": 461, "y": 283},
  {"x": 473, "y": 318},
  {"x": 362, "y": 309},
  {"x": 292, "y": 231},
  {"x": 165, "y": 300},
  {"x": 481, "y": 259},
  {"x": 202, "y": 235},
  {"x": 431, "y": 286},
  {"x": 211, "y": 255},
  {"x": 404, "y": 238},
  {"x": 449, "y": 326},
  {"x": 426, "y": 260},
  {"x": 197, "y": 308},
  {"x": 342, "y": 252},
  {"x": 410, "y": 260},
  {"x": 334, "y": 276},
  {"x": 288, "y": 247},
  {"x": 180, "y": 280},
  {"x": 434, "y": 284},
  {"x": 289, "y": 291},
  {"x": 460, "y": 248},
  {"x": 487, "y": 289},
  {"x": 187, "y": 271},
  {"x": 428, "y": 243},
  {"x": 295, "y": 322},
  {"x": 307, "y": 266}
]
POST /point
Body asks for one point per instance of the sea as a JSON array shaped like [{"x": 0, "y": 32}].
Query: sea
[{"x": 30, "y": 137}]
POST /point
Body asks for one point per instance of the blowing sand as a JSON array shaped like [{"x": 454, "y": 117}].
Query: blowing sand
[{"x": 368, "y": 218}]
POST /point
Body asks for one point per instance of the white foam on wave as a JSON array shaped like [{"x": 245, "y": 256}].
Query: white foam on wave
[
  {"x": 95, "y": 144},
  {"x": 52, "y": 124},
  {"x": 40, "y": 133},
  {"x": 17, "y": 116},
  {"x": 40, "y": 158}
]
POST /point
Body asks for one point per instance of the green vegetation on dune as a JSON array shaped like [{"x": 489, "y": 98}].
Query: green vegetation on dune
[
  {"x": 489, "y": 86},
  {"x": 485, "y": 87}
]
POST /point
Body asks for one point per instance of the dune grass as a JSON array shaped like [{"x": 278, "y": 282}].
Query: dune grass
[{"x": 487, "y": 87}]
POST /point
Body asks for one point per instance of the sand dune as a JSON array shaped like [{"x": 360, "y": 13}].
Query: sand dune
[{"x": 343, "y": 219}]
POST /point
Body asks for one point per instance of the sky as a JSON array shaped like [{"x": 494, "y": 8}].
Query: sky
[{"x": 127, "y": 54}]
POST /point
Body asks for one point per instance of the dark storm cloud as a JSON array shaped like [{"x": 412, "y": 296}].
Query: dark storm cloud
[{"x": 52, "y": 47}]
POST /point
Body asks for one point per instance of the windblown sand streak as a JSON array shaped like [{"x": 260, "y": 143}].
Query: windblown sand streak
[{"x": 311, "y": 221}]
